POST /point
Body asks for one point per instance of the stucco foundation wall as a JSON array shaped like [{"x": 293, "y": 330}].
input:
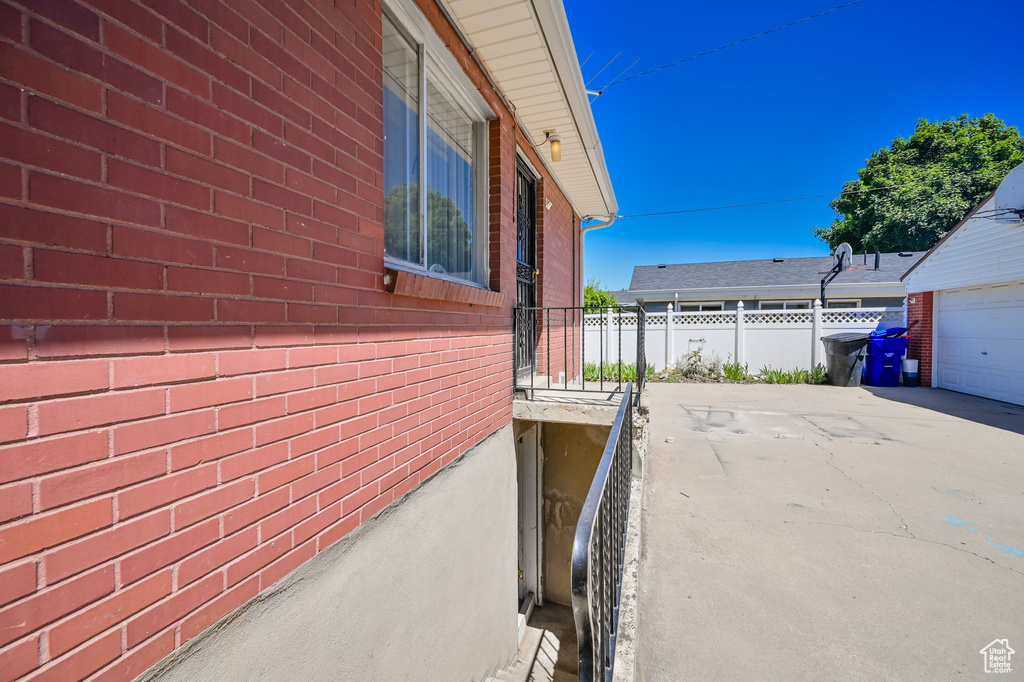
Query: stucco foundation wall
[
  {"x": 440, "y": 562},
  {"x": 571, "y": 455}
]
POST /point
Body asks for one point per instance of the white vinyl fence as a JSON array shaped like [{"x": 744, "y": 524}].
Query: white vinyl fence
[{"x": 783, "y": 339}]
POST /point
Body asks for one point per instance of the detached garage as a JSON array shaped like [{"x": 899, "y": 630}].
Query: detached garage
[{"x": 967, "y": 294}]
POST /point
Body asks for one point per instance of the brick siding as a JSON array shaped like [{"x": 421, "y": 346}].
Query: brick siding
[
  {"x": 920, "y": 309},
  {"x": 203, "y": 382}
]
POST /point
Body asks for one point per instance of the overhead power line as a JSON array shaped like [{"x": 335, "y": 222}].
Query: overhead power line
[
  {"x": 764, "y": 203},
  {"x": 723, "y": 47}
]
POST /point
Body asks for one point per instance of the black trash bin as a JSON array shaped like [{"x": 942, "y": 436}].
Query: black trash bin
[{"x": 844, "y": 357}]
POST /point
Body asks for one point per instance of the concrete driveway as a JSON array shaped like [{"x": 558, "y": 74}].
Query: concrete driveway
[{"x": 822, "y": 533}]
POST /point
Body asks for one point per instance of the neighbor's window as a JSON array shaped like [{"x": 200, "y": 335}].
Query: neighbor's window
[
  {"x": 697, "y": 307},
  {"x": 785, "y": 305},
  {"x": 432, "y": 137},
  {"x": 843, "y": 304}
]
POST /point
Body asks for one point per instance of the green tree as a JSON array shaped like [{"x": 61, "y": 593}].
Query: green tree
[
  {"x": 594, "y": 297},
  {"x": 937, "y": 176},
  {"x": 449, "y": 238}
]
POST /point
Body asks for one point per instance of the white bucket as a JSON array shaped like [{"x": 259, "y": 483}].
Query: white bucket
[{"x": 910, "y": 366}]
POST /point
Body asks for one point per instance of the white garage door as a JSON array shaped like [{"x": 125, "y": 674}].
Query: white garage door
[{"x": 980, "y": 341}]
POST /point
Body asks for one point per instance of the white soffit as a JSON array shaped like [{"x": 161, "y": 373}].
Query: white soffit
[{"x": 528, "y": 50}]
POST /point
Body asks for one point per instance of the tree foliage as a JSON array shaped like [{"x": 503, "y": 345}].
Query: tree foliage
[
  {"x": 594, "y": 297},
  {"x": 937, "y": 176},
  {"x": 449, "y": 238}
]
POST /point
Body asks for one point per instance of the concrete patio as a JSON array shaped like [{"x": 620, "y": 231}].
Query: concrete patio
[{"x": 814, "y": 532}]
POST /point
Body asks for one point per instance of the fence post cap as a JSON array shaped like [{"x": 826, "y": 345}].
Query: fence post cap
[
  {"x": 739, "y": 305},
  {"x": 817, "y": 303}
]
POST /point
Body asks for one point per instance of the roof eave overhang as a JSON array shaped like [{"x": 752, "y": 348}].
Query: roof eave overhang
[
  {"x": 551, "y": 26},
  {"x": 555, "y": 25}
]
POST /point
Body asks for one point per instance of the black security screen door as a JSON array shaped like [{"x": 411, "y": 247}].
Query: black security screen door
[{"x": 526, "y": 266}]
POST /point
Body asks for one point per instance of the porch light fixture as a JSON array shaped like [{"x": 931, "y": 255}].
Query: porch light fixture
[
  {"x": 555, "y": 140},
  {"x": 556, "y": 145}
]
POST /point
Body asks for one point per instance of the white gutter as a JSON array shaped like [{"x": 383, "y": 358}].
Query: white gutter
[{"x": 597, "y": 226}]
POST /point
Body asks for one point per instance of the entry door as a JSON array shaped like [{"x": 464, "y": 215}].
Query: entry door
[
  {"x": 979, "y": 335},
  {"x": 526, "y": 267},
  {"x": 529, "y": 467}
]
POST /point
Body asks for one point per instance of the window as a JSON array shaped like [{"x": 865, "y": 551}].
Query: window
[
  {"x": 697, "y": 307},
  {"x": 434, "y": 136},
  {"x": 843, "y": 304},
  {"x": 784, "y": 305}
]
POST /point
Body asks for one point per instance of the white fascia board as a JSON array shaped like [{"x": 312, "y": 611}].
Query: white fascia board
[{"x": 555, "y": 26}]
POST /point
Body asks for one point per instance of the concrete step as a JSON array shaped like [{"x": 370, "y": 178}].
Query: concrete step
[
  {"x": 535, "y": 659},
  {"x": 543, "y": 668}
]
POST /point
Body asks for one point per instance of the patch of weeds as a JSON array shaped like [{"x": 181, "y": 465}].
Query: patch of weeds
[
  {"x": 800, "y": 376},
  {"x": 767, "y": 375},
  {"x": 819, "y": 375},
  {"x": 610, "y": 371},
  {"x": 734, "y": 371},
  {"x": 695, "y": 366}
]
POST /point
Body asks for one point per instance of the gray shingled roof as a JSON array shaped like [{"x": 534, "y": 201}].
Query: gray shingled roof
[
  {"x": 623, "y": 297},
  {"x": 765, "y": 272}
]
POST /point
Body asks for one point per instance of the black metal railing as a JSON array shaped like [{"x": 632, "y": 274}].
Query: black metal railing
[
  {"x": 598, "y": 551},
  {"x": 550, "y": 348}
]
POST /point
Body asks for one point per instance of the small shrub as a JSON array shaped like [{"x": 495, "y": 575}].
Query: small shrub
[
  {"x": 734, "y": 371},
  {"x": 819, "y": 375},
  {"x": 768, "y": 375},
  {"x": 799, "y": 376},
  {"x": 696, "y": 365}
]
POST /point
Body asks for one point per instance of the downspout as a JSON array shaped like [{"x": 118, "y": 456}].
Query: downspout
[{"x": 583, "y": 234}]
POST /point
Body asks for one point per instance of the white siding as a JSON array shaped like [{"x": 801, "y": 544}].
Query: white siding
[{"x": 982, "y": 251}]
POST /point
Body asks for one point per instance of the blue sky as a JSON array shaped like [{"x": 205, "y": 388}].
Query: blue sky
[{"x": 790, "y": 114}]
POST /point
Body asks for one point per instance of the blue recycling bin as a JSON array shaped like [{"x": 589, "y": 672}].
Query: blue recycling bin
[
  {"x": 882, "y": 364},
  {"x": 880, "y": 370}
]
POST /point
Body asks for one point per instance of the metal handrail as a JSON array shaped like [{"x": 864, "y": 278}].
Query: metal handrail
[
  {"x": 531, "y": 324},
  {"x": 598, "y": 551}
]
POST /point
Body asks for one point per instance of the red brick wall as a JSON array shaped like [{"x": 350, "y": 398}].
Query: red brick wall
[
  {"x": 202, "y": 381},
  {"x": 557, "y": 256},
  {"x": 920, "y": 309}
]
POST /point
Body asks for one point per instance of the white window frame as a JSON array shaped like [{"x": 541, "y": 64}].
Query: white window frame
[
  {"x": 438, "y": 64},
  {"x": 797, "y": 305},
  {"x": 855, "y": 301}
]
